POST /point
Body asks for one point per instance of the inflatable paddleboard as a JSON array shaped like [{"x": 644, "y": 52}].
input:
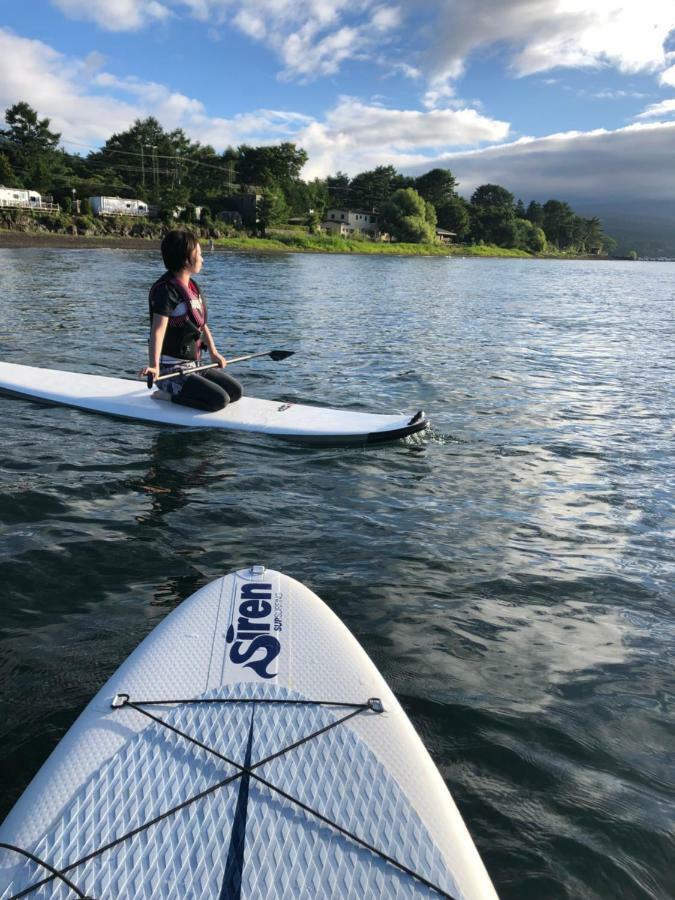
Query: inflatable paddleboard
[
  {"x": 132, "y": 400},
  {"x": 248, "y": 748}
]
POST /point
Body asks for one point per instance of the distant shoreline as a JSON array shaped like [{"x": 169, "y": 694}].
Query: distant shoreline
[
  {"x": 30, "y": 239},
  {"x": 47, "y": 240}
]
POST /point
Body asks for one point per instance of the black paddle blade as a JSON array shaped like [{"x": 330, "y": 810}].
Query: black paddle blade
[{"x": 278, "y": 355}]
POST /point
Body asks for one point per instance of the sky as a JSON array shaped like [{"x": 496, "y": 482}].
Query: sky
[{"x": 560, "y": 98}]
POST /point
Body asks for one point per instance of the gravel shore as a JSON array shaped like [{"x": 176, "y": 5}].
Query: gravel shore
[{"x": 60, "y": 241}]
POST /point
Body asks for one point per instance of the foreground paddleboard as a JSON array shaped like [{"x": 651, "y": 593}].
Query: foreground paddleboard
[
  {"x": 292, "y": 709},
  {"x": 132, "y": 400}
]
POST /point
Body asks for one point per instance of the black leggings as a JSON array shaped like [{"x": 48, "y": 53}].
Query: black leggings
[{"x": 211, "y": 390}]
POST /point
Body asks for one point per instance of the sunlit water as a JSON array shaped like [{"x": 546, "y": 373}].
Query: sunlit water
[{"x": 511, "y": 574}]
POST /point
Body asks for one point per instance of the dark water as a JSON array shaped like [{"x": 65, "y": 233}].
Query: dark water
[{"x": 511, "y": 574}]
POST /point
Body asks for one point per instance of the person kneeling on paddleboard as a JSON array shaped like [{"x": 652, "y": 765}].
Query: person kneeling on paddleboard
[{"x": 178, "y": 330}]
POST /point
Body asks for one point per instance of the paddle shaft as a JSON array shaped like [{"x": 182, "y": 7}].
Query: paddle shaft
[{"x": 152, "y": 380}]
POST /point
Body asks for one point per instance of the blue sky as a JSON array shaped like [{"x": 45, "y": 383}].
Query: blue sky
[{"x": 478, "y": 86}]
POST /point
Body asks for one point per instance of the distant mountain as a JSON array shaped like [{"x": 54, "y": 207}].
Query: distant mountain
[
  {"x": 649, "y": 228},
  {"x": 626, "y": 177}
]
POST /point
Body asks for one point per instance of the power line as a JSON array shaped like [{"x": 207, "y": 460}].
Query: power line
[{"x": 179, "y": 158}]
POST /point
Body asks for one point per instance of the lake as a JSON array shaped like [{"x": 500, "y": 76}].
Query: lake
[{"x": 511, "y": 573}]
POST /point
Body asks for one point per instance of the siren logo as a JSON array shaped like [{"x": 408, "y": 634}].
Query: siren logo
[{"x": 253, "y": 645}]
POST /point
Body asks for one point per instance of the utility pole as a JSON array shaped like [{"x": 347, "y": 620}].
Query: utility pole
[{"x": 142, "y": 167}]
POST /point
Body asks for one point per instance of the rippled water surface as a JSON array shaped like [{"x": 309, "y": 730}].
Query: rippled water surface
[{"x": 511, "y": 574}]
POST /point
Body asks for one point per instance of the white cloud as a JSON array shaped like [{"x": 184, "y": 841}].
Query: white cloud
[
  {"x": 53, "y": 84},
  {"x": 356, "y": 136},
  {"x": 656, "y": 110},
  {"x": 317, "y": 42},
  {"x": 115, "y": 15},
  {"x": 608, "y": 94},
  {"x": 540, "y": 35},
  {"x": 629, "y": 165},
  {"x": 403, "y": 128},
  {"x": 318, "y": 38},
  {"x": 312, "y": 38},
  {"x": 86, "y": 106}
]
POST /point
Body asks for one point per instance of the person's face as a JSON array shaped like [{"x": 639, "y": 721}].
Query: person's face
[{"x": 196, "y": 260}]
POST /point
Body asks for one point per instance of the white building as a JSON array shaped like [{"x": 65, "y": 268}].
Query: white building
[
  {"x": 17, "y": 197},
  {"x": 346, "y": 222},
  {"x": 117, "y": 206}
]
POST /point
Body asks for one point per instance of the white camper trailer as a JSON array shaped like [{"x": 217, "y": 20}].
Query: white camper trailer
[
  {"x": 117, "y": 206},
  {"x": 17, "y": 197}
]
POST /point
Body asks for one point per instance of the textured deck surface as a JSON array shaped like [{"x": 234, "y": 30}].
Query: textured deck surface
[{"x": 246, "y": 636}]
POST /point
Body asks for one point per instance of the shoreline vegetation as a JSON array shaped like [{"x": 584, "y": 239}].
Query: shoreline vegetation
[
  {"x": 146, "y": 180},
  {"x": 275, "y": 243}
]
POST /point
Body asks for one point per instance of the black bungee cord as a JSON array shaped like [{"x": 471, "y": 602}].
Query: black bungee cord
[{"x": 122, "y": 701}]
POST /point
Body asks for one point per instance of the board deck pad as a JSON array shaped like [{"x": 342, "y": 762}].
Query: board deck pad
[
  {"x": 254, "y": 635},
  {"x": 132, "y": 400}
]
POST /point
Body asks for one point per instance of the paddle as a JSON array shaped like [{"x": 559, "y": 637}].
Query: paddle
[{"x": 276, "y": 355}]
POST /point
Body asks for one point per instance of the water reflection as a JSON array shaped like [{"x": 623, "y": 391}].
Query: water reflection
[{"x": 510, "y": 573}]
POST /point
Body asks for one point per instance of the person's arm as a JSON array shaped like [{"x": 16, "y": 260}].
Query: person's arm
[
  {"x": 215, "y": 356},
  {"x": 157, "y": 332}
]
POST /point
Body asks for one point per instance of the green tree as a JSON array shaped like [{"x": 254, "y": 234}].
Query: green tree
[
  {"x": 188, "y": 214},
  {"x": 529, "y": 236},
  {"x": 408, "y": 217},
  {"x": 151, "y": 163},
  {"x": 591, "y": 237},
  {"x": 373, "y": 188},
  {"x": 559, "y": 224},
  {"x": 173, "y": 199},
  {"x": 27, "y": 131},
  {"x": 301, "y": 196},
  {"x": 453, "y": 215},
  {"x": 31, "y": 148},
  {"x": 318, "y": 195},
  {"x": 337, "y": 188},
  {"x": 271, "y": 165},
  {"x": 313, "y": 221},
  {"x": 401, "y": 181},
  {"x": 535, "y": 213},
  {"x": 438, "y": 186},
  {"x": 493, "y": 218},
  {"x": 7, "y": 176},
  {"x": 271, "y": 209}
]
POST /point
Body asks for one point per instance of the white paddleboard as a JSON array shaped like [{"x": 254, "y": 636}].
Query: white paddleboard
[
  {"x": 127, "y": 808},
  {"x": 132, "y": 400}
]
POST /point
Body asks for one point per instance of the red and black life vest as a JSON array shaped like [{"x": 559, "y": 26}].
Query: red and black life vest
[{"x": 183, "y": 336}]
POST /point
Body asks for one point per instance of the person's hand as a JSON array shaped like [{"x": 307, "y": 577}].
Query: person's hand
[
  {"x": 217, "y": 358},
  {"x": 149, "y": 370}
]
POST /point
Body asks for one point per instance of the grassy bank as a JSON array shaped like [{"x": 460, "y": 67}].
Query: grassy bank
[
  {"x": 328, "y": 244},
  {"x": 129, "y": 234}
]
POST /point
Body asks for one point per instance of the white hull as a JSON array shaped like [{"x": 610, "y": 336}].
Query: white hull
[
  {"x": 254, "y": 635},
  {"x": 132, "y": 400}
]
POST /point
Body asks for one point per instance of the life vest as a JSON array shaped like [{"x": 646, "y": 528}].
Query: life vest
[{"x": 183, "y": 335}]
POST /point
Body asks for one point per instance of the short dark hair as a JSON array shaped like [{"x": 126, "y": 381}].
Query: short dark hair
[{"x": 177, "y": 249}]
